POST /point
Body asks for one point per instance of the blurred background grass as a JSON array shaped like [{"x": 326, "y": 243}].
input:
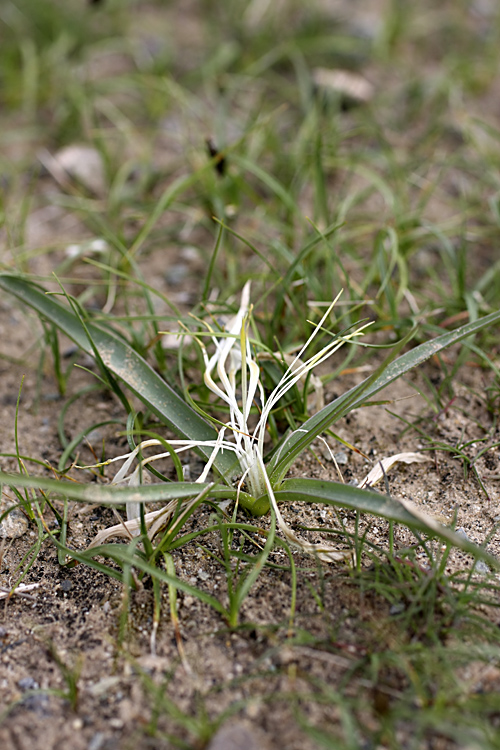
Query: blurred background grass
[{"x": 183, "y": 116}]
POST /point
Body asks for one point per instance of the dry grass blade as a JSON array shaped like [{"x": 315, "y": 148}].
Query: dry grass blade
[
  {"x": 323, "y": 551},
  {"x": 382, "y": 467},
  {"x": 21, "y": 590},
  {"x": 154, "y": 521}
]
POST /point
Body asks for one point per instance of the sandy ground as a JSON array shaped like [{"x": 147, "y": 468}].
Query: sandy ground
[
  {"x": 72, "y": 617},
  {"x": 258, "y": 686}
]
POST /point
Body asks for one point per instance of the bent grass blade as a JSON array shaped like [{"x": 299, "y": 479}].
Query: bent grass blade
[
  {"x": 387, "y": 373},
  {"x": 366, "y": 501},
  {"x": 106, "y": 494},
  {"x": 123, "y": 362},
  {"x": 291, "y": 490}
]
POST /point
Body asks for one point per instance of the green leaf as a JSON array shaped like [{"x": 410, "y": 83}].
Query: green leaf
[
  {"x": 271, "y": 182},
  {"x": 123, "y": 362},
  {"x": 107, "y": 494},
  {"x": 295, "y": 443},
  {"x": 368, "y": 501}
]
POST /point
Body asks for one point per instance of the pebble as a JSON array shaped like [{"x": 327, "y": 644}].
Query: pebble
[
  {"x": 481, "y": 567},
  {"x": 237, "y": 735},
  {"x": 396, "y": 609},
  {"x": 38, "y": 703},
  {"x": 97, "y": 741},
  {"x": 176, "y": 273},
  {"x": 346, "y": 84},
  {"x": 15, "y": 524},
  {"x": 103, "y": 686},
  {"x": 85, "y": 164},
  {"x": 341, "y": 457},
  {"x": 190, "y": 254},
  {"x": 95, "y": 436},
  {"x": 462, "y": 534},
  {"x": 27, "y": 683}
]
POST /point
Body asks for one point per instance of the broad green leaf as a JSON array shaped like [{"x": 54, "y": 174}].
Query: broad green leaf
[
  {"x": 123, "y": 362},
  {"x": 295, "y": 443},
  {"x": 368, "y": 501},
  {"x": 109, "y": 494}
]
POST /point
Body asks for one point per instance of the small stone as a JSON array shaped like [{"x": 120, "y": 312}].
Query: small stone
[
  {"x": 174, "y": 341},
  {"x": 237, "y": 735},
  {"x": 15, "y": 524},
  {"x": 253, "y": 709},
  {"x": 462, "y": 534},
  {"x": 176, "y": 274},
  {"x": 95, "y": 436},
  {"x": 27, "y": 683},
  {"x": 344, "y": 83},
  {"x": 84, "y": 164},
  {"x": 190, "y": 254},
  {"x": 287, "y": 656},
  {"x": 97, "y": 741},
  {"x": 91, "y": 247},
  {"x": 38, "y": 703},
  {"x": 481, "y": 567},
  {"x": 341, "y": 458},
  {"x": 67, "y": 584},
  {"x": 103, "y": 686},
  {"x": 396, "y": 609}
]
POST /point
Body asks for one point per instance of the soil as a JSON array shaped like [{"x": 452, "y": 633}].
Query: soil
[
  {"x": 70, "y": 623},
  {"x": 76, "y": 675}
]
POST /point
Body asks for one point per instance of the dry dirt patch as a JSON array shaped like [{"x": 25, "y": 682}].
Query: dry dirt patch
[{"x": 71, "y": 621}]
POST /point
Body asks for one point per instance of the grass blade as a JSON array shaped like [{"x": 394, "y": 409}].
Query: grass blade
[
  {"x": 295, "y": 443},
  {"x": 124, "y": 363},
  {"x": 368, "y": 501},
  {"x": 106, "y": 494}
]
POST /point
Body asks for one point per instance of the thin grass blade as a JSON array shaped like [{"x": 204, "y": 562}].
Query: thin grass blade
[{"x": 387, "y": 373}]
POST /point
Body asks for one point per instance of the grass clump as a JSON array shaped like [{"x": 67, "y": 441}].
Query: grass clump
[{"x": 226, "y": 156}]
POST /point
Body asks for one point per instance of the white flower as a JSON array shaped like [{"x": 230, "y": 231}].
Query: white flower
[
  {"x": 233, "y": 354},
  {"x": 235, "y": 347}
]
